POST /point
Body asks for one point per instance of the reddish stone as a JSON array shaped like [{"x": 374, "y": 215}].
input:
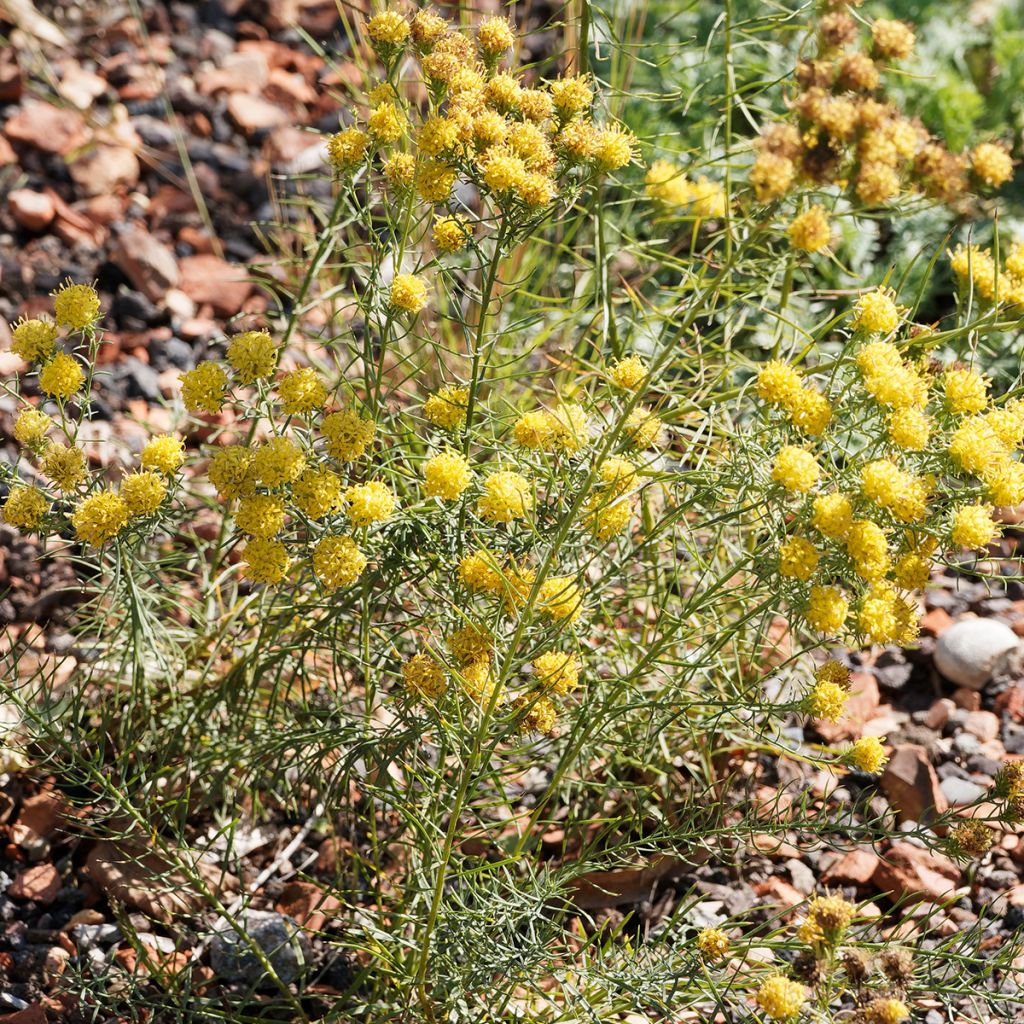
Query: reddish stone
[
  {"x": 939, "y": 713},
  {"x": 42, "y": 812},
  {"x": 308, "y": 904},
  {"x": 40, "y": 883},
  {"x": 969, "y": 700},
  {"x": 34, "y": 1014},
  {"x": 857, "y": 867},
  {"x": 911, "y": 785},
  {"x": 46, "y": 127},
  {"x": 253, "y": 114},
  {"x": 936, "y": 621},
  {"x": 1011, "y": 702},
  {"x": 908, "y": 871},
  {"x": 34, "y": 211},
  {"x": 779, "y": 892},
  {"x": 209, "y": 280}
]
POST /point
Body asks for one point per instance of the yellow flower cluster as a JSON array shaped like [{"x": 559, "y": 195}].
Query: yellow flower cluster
[
  {"x": 865, "y": 527},
  {"x": 522, "y": 144},
  {"x": 847, "y": 130},
  {"x": 977, "y": 273},
  {"x": 667, "y": 183}
]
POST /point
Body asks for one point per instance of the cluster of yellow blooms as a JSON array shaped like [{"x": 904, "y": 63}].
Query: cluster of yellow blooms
[
  {"x": 522, "y": 144},
  {"x": 507, "y": 586},
  {"x": 295, "y": 482},
  {"x": 978, "y": 273},
  {"x": 827, "y": 953},
  {"x": 845, "y": 130},
  {"x": 859, "y": 475},
  {"x": 64, "y": 491},
  {"x": 667, "y": 183}
]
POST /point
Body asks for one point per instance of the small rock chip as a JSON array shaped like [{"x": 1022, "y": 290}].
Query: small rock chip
[
  {"x": 982, "y": 724},
  {"x": 908, "y": 871},
  {"x": 911, "y": 785},
  {"x": 105, "y": 168},
  {"x": 283, "y": 944},
  {"x": 34, "y": 211},
  {"x": 961, "y": 792},
  {"x": 209, "y": 280},
  {"x": 938, "y": 714},
  {"x": 147, "y": 263},
  {"x": 253, "y": 114},
  {"x": 972, "y": 649},
  {"x": 46, "y": 127},
  {"x": 40, "y": 883},
  {"x": 856, "y": 867}
]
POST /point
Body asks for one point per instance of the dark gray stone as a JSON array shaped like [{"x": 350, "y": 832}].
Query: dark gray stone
[{"x": 282, "y": 941}]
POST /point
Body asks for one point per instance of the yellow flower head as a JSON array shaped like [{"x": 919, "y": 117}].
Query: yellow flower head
[
  {"x": 613, "y": 148},
  {"x": 832, "y": 514},
  {"x": 447, "y": 407},
  {"x": 827, "y": 609},
  {"x": 386, "y": 123},
  {"x": 909, "y": 428},
  {"x": 867, "y": 545},
  {"x": 892, "y": 38},
  {"x": 76, "y": 306},
  {"x": 560, "y": 598},
  {"x": 507, "y": 496},
  {"x": 810, "y": 230},
  {"x": 966, "y": 391},
  {"x": 163, "y": 453},
  {"x": 452, "y": 233},
  {"x": 301, "y": 392},
  {"x": 571, "y": 96},
  {"x": 33, "y": 340},
  {"x": 400, "y": 170},
  {"x": 992, "y": 164},
  {"x": 143, "y": 493},
  {"x": 31, "y": 427},
  {"x": 408, "y": 293},
  {"x": 832, "y": 914},
  {"x": 886, "y": 1011},
  {"x": 278, "y": 462},
  {"x": 495, "y": 36},
  {"x": 479, "y": 572},
  {"x": 809, "y": 411},
  {"x": 427, "y": 28},
  {"x": 879, "y": 615},
  {"x": 798, "y": 558},
  {"x": 446, "y": 475},
  {"x": 203, "y": 389},
  {"x": 338, "y": 562},
  {"x": 265, "y": 560},
  {"x": 796, "y": 469},
  {"x": 347, "y": 148},
  {"x": 876, "y": 312},
  {"x": 903, "y": 494},
  {"x": 780, "y": 998},
  {"x": 61, "y": 377},
  {"x": 371, "y": 502},
  {"x": 387, "y": 30},
  {"x": 252, "y": 355},
  {"x": 348, "y": 435},
  {"x": 64, "y": 466},
  {"x": 100, "y": 517},
  {"x": 424, "y": 676},
  {"x": 771, "y": 176},
  {"x": 25, "y": 507},
  {"x": 471, "y": 643},
  {"x": 973, "y": 526},
  {"x": 232, "y": 471},
  {"x": 628, "y": 373},
  {"x": 557, "y": 672},
  {"x": 866, "y": 755},
  {"x": 435, "y": 181},
  {"x": 778, "y": 383},
  {"x": 317, "y": 492},
  {"x": 712, "y": 943},
  {"x": 536, "y": 714},
  {"x": 827, "y": 701},
  {"x": 260, "y": 515}
]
